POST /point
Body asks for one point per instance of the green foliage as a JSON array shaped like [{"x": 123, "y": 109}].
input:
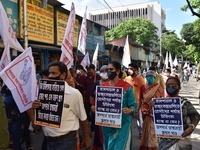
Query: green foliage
[
  {"x": 194, "y": 7},
  {"x": 187, "y": 32},
  {"x": 192, "y": 53},
  {"x": 171, "y": 42},
  {"x": 141, "y": 30}
]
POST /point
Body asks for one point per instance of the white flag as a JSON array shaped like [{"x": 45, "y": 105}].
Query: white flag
[
  {"x": 6, "y": 31},
  {"x": 19, "y": 76},
  {"x": 126, "y": 59},
  {"x": 5, "y": 58},
  {"x": 94, "y": 60},
  {"x": 158, "y": 65},
  {"x": 170, "y": 60},
  {"x": 85, "y": 61},
  {"x": 166, "y": 60},
  {"x": 147, "y": 64},
  {"x": 67, "y": 44},
  {"x": 185, "y": 65},
  {"x": 83, "y": 34},
  {"x": 175, "y": 63}
]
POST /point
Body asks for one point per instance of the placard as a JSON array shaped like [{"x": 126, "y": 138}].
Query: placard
[
  {"x": 168, "y": 117},
  {"x": 40, "y": 21},
  {"x": 51, "y": 95},
  {"x": 108, "y": 106}
]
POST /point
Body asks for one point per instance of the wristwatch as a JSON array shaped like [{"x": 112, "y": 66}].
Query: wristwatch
[{"x": 192, "y": 125}]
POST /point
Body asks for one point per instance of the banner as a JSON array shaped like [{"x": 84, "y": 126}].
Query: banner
[
  {"x": 109, "y": 106},
  {"x": 168, "y": 117},
  {"x": 170, "y": 60},
  {"x": 51, "y": 95},
  {"x": 126, "y": 59},
  {"x": 83, "y": 34},
  {"x": 175, "y": 62},
  {"x": 62, "y": 20},
  {"x": 85, "y": 61},
  {"x": 40, "y": 21},
  {"x": 94, "y": 60},
  {"x": 5, "y": 58},
  {"x": 166, "y": 60},
  {"x": 67, "y": 44},
  {"x": 6, "y": 31},
  {"x": 20, "y": 78}
]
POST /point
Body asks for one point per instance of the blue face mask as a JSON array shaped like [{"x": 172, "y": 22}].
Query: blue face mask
[{"x": 150, "y": 80}]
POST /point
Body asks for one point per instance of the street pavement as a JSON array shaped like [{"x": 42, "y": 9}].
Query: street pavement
[{"x": 189, "y": 90}]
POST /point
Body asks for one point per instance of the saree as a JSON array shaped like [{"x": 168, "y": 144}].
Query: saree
[
  {"x": 120, "y": 138},
  {"x": 182, "y": 144},
  {"x": 149, "y": 139}
]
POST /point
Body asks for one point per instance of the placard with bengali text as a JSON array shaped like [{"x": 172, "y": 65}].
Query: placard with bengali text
[
  {"x": 109, "y": 106},
  {"x": 51, "y": 95},
  {"x": 168, "y": 117}
]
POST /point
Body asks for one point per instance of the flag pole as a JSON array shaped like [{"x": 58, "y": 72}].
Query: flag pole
[{"x": 25, "y": 26}]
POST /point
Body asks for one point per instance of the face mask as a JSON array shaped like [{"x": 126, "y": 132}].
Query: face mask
[
  {"x": 150, "y": 80},
  {"x": 104, "y": 76},
  {"x": 166, "y": 74},
  {"x": 78, "y": 71},
  {"x": 55, "y": 78},
  {"x": 173, "y": 72},
  {"x": 89, "y": 73},
  {"x": 131, "y": 72},
  {"x": 111, "y": 75},
  {"x": 172, "y": 91}
]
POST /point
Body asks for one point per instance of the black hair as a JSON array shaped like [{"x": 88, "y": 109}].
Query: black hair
[
  {"x": 44, "y": 72},
  {"x": 62, "y": 67},
  {"x": 169, "y": 70},
  {"x": 79, "y": 67},
  {"x": 176, "y": 79},
  {"x": 152, "y": 68},
  {"x": 117, "y": 67},
  {"x": 90, "y": 66},
  {"x": 133, "y": 65}
]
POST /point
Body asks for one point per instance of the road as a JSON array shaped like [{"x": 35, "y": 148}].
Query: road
[{"x": 189, "y": 90}]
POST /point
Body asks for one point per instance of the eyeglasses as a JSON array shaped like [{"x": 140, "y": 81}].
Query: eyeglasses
[
  {"x": 110, "y": 69},
  {"x": 172, "y": 86}
]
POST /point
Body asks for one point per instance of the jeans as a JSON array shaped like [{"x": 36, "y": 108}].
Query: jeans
[{"x": 68, "y": 143}]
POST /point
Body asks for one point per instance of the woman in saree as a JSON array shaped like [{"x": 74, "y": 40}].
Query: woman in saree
[
  {"x": 190, "y": 119},
  {"x": 147, "y": 92},
  {"x": 120, "y": 138}
]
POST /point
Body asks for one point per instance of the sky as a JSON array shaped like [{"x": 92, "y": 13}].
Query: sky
[{"x": 175, "y": 18}]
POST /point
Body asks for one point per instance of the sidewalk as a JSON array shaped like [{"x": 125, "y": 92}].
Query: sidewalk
[{"x": 191, "y": 92}]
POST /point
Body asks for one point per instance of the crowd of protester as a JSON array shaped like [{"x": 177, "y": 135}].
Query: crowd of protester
[{"x": 138, "y": 91}]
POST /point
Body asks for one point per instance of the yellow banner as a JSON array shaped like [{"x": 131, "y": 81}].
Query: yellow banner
[
  {"x": 61, "y": 27},
  {"x": 40, "y": 21}
]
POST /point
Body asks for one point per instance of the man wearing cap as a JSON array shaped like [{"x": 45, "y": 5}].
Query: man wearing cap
[{"x": 158, "y": 78}]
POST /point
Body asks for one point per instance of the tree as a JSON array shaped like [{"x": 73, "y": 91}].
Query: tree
[
  {"x": 194, "y": 6},
  {"x": 187, "y": 32},
  {"x": 141, "y": 30},
  {"x": 192, "y": 53},
  {"x": 171, "y": 42}
]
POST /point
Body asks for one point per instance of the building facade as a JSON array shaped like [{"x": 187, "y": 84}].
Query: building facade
[{"x": 149, "y": 10}]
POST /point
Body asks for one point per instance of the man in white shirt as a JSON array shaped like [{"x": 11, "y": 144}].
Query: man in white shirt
[{"x": 64, "y": 138}]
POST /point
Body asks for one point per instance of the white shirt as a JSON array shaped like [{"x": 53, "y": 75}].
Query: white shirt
[{"x": 71, "y": 115}]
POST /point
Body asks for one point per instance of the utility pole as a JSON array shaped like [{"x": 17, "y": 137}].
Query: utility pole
[{"x": 25, "y": 26}]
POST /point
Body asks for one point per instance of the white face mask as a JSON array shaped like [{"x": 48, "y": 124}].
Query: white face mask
[
  {"x": 166, "y": 74},
  {"x": 130, "y": 72},
  {"x": 104, "y": 76},
  {"x": 78, "y": 71}
]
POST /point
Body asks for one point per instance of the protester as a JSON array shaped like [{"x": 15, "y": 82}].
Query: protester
[
  {"x": 166, "y": 74},
  {"x": 4, "y": 136},
  {"x": 120, "y": 138},
  {"x": 89, "y": 81},
  {"x": 17, "y": 122},
  {"x": 144, "y": 73},
  {"x": 64, "y": 138},
  {"x": 147, "y": 92},
  {"x": 190, "y": 119},
  {"x": 98, "y": 137},
  {"x": 80, "y": 78},
  {"x": 158, "y": 79},
  {"x": 44, "y": 74},
  {"x": 174, "y": 74},
  {"x": 136, "y": 81},
  {"x": 185, "y": 75}
]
